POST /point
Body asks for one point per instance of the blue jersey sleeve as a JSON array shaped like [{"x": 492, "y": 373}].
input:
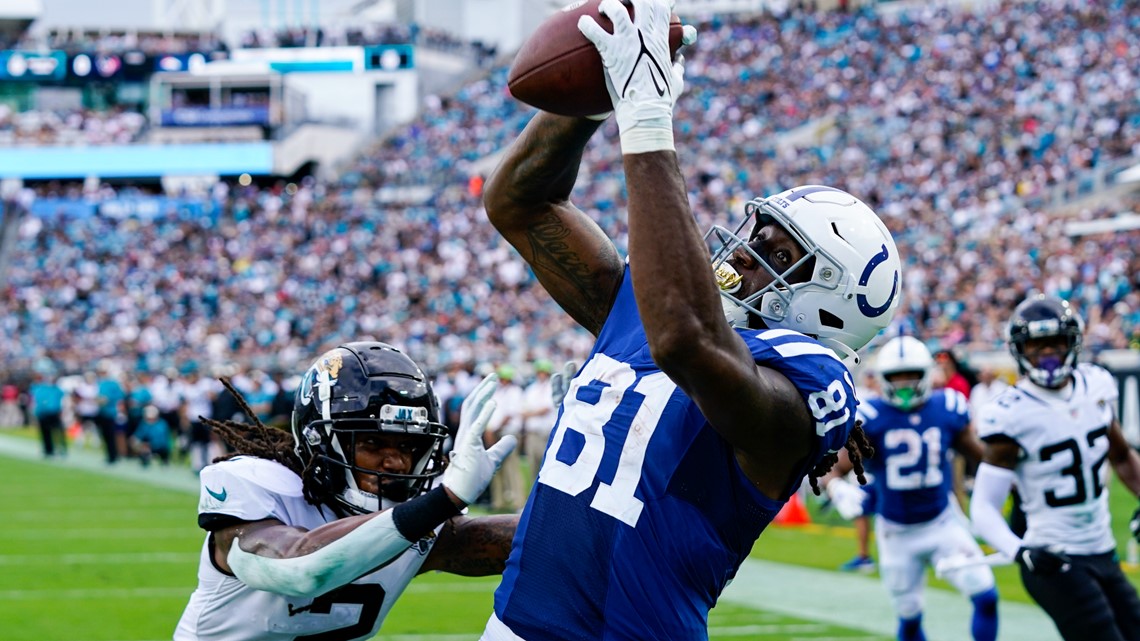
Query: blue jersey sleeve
[{"x": 822, "y": 379}]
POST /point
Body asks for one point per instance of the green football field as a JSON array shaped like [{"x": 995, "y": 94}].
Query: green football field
[{"x": 89, "y": 554}]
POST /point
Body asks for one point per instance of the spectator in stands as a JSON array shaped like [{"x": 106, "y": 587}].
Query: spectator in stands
[
  {"x": 507, "y": 492},
  {"x": 964, "y": 165},
  {"x": 538, "y": 416},
  {"x": 954, "y": 374},
  {"x": 989, "y": 386}
]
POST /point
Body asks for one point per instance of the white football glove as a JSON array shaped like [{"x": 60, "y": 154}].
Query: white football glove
[
  {"x": 643, "y": 81},
  {"x": 560, "y": 382},
  {"x": 846, "y": 497},
  {"x": 472, "y": 466}
]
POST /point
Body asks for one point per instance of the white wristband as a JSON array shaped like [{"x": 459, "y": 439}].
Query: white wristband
[{"x": 646, "y": 139}]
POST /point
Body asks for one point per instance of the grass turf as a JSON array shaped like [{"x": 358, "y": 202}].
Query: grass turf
[{"x": 88, "y": 557}]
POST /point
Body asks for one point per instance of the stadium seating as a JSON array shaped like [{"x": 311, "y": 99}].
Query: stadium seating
[{"x": 965, "y": 151}]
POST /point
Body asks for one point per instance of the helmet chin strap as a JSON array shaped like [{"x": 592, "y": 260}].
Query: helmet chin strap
[
  {"x": 736, "y": 315},
  {"x": 367, "y": 501}
]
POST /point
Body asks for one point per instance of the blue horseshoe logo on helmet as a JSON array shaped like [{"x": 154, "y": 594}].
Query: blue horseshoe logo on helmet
[{"x": 866, "y": 307}]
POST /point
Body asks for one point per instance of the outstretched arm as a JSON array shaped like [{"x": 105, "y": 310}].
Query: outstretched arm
[
  {"x": 528, "y": 201},
  {"x": 991, "y": 488},
  {"x": 473, "y": 546},
  {"x": 755, "y": 409},
  {"x": 269, "y": 555}
]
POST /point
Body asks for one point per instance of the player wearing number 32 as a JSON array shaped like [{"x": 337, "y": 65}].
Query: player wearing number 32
[
  {"x": 712, "y": 388},
  {"x": 913, "y": 429},
  {"x": 315, "y": 534},
  {"x": 1050, "y": 434}
]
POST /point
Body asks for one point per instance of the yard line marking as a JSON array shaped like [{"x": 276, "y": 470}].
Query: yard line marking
[
  {"x": 76, "y": 594},
  {"x": 99, "y": 559},
  {"x": 83, "y": 534},
  {"x": 771, "y": 628}
]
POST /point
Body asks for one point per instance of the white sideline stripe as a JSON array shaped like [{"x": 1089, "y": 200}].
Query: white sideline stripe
[
  {"x": 861, "y": 603},
  {"x": 84, "y": 534},
  {"x": 89, "y": 559},
  {"x": 175, "y": 478}
]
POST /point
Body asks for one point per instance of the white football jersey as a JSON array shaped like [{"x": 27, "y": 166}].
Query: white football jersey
[
  {"x": 222, "y": 607},
  {"x": 1062, "y": 475}
]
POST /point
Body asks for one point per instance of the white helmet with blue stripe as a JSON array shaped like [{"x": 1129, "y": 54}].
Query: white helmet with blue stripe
[
  {"x": 901, "y": 355},
  {"x": 853, "y": 291}
]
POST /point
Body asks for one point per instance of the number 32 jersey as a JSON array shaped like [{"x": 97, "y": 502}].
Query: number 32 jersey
[
  {"x": 224, "y": 608},
  {"x": 1062, "y": 475},
  {"x": 641, "y": 515}
]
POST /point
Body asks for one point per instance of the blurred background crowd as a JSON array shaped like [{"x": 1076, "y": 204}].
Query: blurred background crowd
[{"x": 989, "y": 142}]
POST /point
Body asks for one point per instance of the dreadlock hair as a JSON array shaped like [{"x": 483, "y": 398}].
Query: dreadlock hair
[
  {"x": 256, "y": 439},
  {"x": 858, "y": 448}
]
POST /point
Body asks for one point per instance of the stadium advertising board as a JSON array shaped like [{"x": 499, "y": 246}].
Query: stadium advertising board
[
  {"x": 215, "y": 117},
  {"x": 33, "y": 65},
  {"x": 137, "y": 161}
]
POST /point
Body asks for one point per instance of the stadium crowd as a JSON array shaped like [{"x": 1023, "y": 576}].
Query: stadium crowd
[{"x": 957, "y": 147}]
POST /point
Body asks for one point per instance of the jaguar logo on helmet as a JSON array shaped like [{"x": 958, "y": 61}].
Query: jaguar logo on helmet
[
  {"x": 323, "y": 372},
  {"x": 331, "y": 363}
]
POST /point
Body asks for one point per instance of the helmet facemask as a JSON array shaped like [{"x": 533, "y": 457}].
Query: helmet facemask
[
  {"x": 1051, "y": 371},
  {"x": 1046, "y": 318},
  {"x": 846, "y": 300},
  {"x": 341, "y": 437},
  {"x": 904, "y": 355},
  {"x": 362, "y": 390}
]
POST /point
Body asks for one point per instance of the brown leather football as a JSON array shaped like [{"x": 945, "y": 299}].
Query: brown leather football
[{"x": 558, "y": 70}]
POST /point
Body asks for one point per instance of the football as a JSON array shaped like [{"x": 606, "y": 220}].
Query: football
[{"x": 558, "y": 70}]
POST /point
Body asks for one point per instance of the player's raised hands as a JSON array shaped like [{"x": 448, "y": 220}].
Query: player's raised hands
[{"x": 640, "y": 74}]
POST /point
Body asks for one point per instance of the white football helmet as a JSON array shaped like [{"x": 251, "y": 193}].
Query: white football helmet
[
  {"x": 854, "y": 288},
  {"x": 904, "y": 354}
]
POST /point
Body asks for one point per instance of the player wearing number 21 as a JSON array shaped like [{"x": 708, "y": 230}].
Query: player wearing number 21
[
  {"x": 1050, "y": 434},
  {"x": 913, "y": 429},
  {"x": 713, "y": 388},
  {"x": 315, "y": 534}
]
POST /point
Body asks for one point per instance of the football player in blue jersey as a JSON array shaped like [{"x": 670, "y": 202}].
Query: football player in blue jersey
[
  {"x": 710, "y": 393},
  {"x": 919, "y": 524},
  {"x": 1051, "y": 435}
]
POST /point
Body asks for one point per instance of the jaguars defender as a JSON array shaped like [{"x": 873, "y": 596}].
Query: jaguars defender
[
  {"x": 316, "y": 534},
  {"x": 707, "y": 398},
  {"x": 1051, "y": 435},
  {"x": 913, "y": 430}
]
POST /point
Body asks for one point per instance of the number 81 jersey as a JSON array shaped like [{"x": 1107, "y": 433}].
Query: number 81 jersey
[
  {"x": 641, "y": 515},
  {"x": 1062, "y": 475}
]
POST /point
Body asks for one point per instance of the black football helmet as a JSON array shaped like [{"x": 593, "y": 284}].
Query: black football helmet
[
  {"x": 360, "y": 388},
  {"x": 1044, "y": 316}
]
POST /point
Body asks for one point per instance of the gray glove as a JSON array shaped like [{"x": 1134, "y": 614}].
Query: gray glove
[{"x": 560, "y": 382}]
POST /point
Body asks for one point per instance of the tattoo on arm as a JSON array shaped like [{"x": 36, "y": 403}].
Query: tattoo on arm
[{"x": 554, "y": 256}]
